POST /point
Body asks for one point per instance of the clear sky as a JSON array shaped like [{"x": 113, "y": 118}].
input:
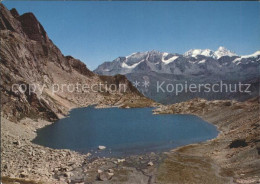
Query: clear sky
[{"x": 95, "y": 32}]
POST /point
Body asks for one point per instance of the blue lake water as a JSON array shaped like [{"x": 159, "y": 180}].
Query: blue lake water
[{"x": 123, "y": 131}]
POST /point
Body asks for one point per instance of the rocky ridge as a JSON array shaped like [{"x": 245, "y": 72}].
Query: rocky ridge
[{"x": 29, "y": 58}]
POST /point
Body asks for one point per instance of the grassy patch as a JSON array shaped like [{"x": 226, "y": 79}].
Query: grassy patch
[{"x": 179, "y": 168}]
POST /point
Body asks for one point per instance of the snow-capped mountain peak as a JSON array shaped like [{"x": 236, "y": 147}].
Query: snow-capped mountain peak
[
  {"x": 196, "y": 52},
  {"x": 193, "y": 62},
  {"x": 222, "y": 51},
  {"x": 131, "y": 55},
  {"x": 256, "y": 54}
]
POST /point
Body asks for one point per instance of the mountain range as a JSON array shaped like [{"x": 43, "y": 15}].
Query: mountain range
[{"x": 196, "y": 65}]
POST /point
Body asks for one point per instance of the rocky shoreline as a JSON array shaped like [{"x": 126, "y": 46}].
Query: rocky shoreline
[
  {"x": 24, "y": 161},
  {"x": 232, "y": 157},
  {"x": 210, "y": 162}
]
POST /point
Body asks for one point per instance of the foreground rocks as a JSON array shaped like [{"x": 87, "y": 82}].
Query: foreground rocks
[
  {"x": 23, "y": 161},
  {"x": 232, "y": 157}
]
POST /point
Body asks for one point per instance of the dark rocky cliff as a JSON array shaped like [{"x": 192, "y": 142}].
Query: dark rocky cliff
[{"x": 29, "y": 57}]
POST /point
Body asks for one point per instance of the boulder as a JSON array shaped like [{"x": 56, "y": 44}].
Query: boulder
[
  {"x": 88, "y": 154},
  {"x": 120, "y": 160},
  {"x": 104, "y": 176},
  {"x": 23, "y": 174},
  {"x": 110, "y": 170},
  {"x": 101, "y": 147},
  {"x": 150, "y": 163},
  {"x": 68, "y": 174}
]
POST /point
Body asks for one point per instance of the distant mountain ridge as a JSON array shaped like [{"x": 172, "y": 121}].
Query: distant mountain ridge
[
  {"x": 194, "y": 65},
  {"x": 163, "y": 62},
  {"x": 222, "y": 51}
]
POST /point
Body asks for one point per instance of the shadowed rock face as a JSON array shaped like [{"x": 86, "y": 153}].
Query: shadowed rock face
[
  {"x": 14, "y": 12},
  {"x": 238, "y": 143},
  {"x": 79, "y": 66},
  {"x": 32, "y": 28},
  {"x": 28, "y": 57}
]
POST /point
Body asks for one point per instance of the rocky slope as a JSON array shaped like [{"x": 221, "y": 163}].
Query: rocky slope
[
  {"x": 35, "y": 76},
  {"x": 195, "y": 66},
  {"x": 236, "y": 151},
  {"x": 33, "y": 71}
]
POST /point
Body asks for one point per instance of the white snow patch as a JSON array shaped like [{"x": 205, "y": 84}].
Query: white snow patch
[
  {"x": 257, "y": 53},
  {"x": 165, "y": 54},
  {"x": 196, "y": 52},
  {"x": 130, "y": 55},
  {"x": 236, "y": 60},
  {"x": 202, "y": 61},
  {"x": 206, "y": 52},
  {"x": 222, "y": 51},
  {"x": 124, "y": 65}
]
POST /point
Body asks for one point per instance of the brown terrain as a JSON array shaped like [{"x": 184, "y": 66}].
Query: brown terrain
[
  {"x": 28, "y": 57},
  {"x": 234, "y": 156}
]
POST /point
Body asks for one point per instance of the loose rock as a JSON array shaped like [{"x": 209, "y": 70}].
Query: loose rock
[
  {"x": 101, "y": 147},
  {"x": 150, "y": 163},
  {"x": 104, "y": 176},
  {"x": 120, "y": 160}
]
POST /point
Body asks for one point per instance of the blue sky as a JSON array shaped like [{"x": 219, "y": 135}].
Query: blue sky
[{"x": 95, "y": 32}]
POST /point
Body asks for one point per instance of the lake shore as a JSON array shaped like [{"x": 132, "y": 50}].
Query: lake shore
[
  {"x": 234, "y": 154},
  {"x": 26, "y": 162},
  {"x": 212, "y": 161}
]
